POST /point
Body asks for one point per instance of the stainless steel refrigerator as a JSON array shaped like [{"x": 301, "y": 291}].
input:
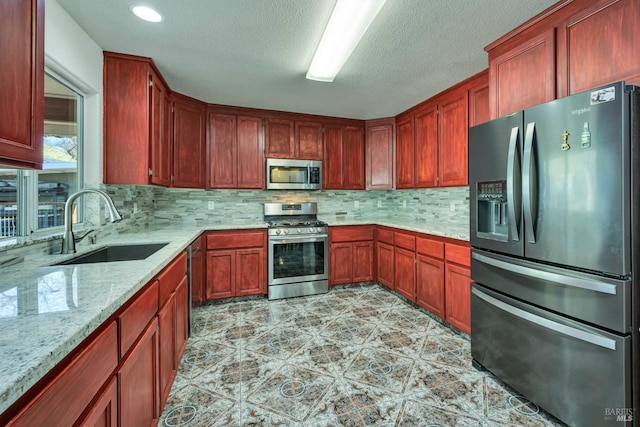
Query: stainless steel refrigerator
[{"x": 554, "y": 194}]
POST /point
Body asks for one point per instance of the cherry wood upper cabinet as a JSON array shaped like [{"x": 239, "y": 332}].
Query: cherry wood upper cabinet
[
  {"x": 308, "y": 141},
  {"x": 160, "y": 131},
  {"x": 344, "y": 164},
  {"x": 278, "y": 138},
  {"x": 524, "y": 75},
  {"x": 136, "y": 122},
  {"x": 22, "y": 83},
  {"x": 236, "y": 150},
  {"x": 380, "y": 154},
  {"x": 479, "y": 111},
  {"x": 189, "y": 142},
  {"x": 354, "y": 164},
  {"x": 597, "y": 44},
  {"x": 453, "y": 125},
  {"x": 405, "y": 153},
  {"x": 570, "y": 47},
  {"x": 426, "y": 147}
]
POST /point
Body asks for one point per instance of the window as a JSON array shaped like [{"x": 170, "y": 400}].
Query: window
[{"x": 33, "y": 200}]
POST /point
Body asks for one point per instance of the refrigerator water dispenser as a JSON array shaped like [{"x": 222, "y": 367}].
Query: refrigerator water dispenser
[{"x": 492, "y": 210}]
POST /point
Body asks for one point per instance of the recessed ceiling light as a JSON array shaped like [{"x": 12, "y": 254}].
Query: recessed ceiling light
[
  {"x": 146, "y": 13},
  {"x": 348, "y": 23}
]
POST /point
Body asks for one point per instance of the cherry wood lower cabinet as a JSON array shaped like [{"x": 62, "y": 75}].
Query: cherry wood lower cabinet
[
  {"x": 384, "y": 258},
  {"x": 138, "y": 379},
  {"x": 430, "y": 273},
  {"x": 351, "y": 254},
  {"x": 458, "y": 287},
  {"x": 104, "y": 412},
  {"x": 236, "y": 263},
  {"x": 116, "y": 376},
  {"x": 405, "y": 273}
]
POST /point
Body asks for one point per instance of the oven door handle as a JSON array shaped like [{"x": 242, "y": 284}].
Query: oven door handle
[{"x": 320, "y": 238}]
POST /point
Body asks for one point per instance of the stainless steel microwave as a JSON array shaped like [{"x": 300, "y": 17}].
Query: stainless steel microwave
[{"x": 288, "y": 174}]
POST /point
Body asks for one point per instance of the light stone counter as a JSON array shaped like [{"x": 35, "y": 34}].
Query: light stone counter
[
  {"x": 404, "y": 225},
  {"x": 46, "y": 311}
]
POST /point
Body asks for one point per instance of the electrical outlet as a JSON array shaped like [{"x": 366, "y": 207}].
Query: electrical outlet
[
  {"x": 404, "y": 203},
  {"x": 211, "y": 205},
  {"x": 356, "y": 204},
  {"x": 135, "y": 207},
  {"x": 379, "y": 203},
  {"x": 452, "y": 206}
]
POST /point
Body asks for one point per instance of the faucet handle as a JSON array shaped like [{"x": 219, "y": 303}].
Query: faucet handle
[{"x": 77, "y": 239}]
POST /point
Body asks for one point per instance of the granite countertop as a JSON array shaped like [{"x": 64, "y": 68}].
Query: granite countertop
[{"x": 46, "y": 311}]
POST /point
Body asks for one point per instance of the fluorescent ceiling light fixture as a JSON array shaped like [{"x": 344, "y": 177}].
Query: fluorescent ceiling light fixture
[
  {"x": 348, "y": 23},
  {"x": 146, "y": 13}
]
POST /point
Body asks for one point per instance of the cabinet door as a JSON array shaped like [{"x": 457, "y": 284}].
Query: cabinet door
[
  {"x": 479, "y": 111},
  {"x": 524, "y": 75},
  {"x": 405, "y": 273},
  {"x": 453, "y": 127},
  {"x": 138, "y": 379},
  {"x": 198, "y": 293},
  {"x": 160, "y": 131},
  {"x": 250, "y": 265},
  {"x": 333, "y": 157},
  {"x": 104, "y": 412},
  {"x": 458, "y": 297},
  {"x": 222, "y": 163},
  {"x": 430, "y": 284},
  {"x": 221, "y": 268},
  {"x": 182, "y": 319},
  {"x": 341, "y": 264},
  {"x": 405, "y": 154},
  {"x": 426, "y": 148},
  {"x": 385, "y": 264},
  {"x": 379, "y": 143},
  {"x": 250, "y": 158},
  {"x": 599, "y": 42},
  {"x": 279, "y": 138},
  {"x": 189, "y": 144},
  {"x": 308, "y": 141},
  {"x": 353, "y": 168},
  {"x": 362, "y": 261},
  {"x": 167, "y": 334},
  {"x": 22, "y": 82},
  {"x": 126, "y": 121}
]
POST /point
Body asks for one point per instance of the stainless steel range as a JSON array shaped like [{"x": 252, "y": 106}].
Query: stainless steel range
[{"x": 298, "y": 250}]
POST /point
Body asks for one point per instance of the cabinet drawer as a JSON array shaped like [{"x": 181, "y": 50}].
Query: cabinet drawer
[
  {"x": 137, "y": 316},
  {"x": 405, "y": 241},
  {"x": 458, "y": 254},
  {"x": 384, "y": 235},
  {"x": 66, "y": 397},
  {"x": 351, "y": 233},
  {"x": 236, "y": 240},
  {"x": 170, "y": 277},
  {"x": 430, "y": 247}
]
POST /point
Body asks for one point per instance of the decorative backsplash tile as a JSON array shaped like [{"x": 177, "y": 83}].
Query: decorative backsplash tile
[{"x": 143, "y": 207}]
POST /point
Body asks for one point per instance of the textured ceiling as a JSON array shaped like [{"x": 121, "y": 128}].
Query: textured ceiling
[{"x": 255, "y": 53}]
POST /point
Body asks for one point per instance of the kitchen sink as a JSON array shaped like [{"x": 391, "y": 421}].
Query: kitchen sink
[{"x": 116, "y": 253}]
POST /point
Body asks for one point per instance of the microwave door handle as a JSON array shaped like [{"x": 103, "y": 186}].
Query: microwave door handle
[
  {"x": 514, "y": 186},
  {"x": 529, "y": 186}
]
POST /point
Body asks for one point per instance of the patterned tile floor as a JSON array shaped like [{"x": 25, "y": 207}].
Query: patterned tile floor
[{"x": 356, "y": 356}]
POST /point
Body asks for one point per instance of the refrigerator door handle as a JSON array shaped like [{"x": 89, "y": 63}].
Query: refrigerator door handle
[
  {"x": 547, "y": 323},
  {"x": 513, "y": 186},
  {"x": 529, "y": 187},
  {"x": 576, "y": 282}
]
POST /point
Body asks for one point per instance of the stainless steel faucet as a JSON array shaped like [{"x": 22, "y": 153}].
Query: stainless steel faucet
[{"x": 69, "y": 240}]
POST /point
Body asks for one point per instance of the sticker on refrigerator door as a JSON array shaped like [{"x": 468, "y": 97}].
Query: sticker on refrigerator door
[
  {"x": 585, "y": 138},
  {"x": 565, "y": 141},
  {"x": 603, "y": 95}
]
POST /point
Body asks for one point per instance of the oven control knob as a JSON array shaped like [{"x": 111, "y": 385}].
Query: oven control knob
[
  {"x": 312, "y": 229},
  {"x": 285, "y": 231},
  {"x": 299, "y": 230},
  {"x": 277, "y": 231}
]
